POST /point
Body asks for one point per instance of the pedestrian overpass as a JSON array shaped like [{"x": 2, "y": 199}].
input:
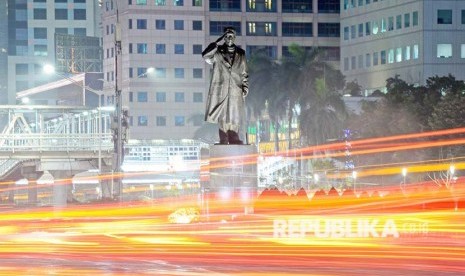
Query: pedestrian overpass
[{"x": 62, "y": 140}]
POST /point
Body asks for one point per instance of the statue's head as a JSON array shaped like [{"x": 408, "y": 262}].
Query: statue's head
[{"x": 230, "y": 35}]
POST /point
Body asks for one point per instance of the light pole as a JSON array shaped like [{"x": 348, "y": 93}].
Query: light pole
[{"x": 119, "y": 111}]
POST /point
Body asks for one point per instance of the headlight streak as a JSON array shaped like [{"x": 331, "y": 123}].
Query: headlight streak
[
  {"x": 85, "y": 234},
  {"x": 131, "y": 236}
]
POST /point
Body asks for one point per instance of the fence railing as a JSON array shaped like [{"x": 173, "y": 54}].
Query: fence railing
[{"x": 55, "y": 142}]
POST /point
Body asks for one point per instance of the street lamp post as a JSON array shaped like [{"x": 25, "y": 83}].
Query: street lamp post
[{"x": 119, "y": 111}]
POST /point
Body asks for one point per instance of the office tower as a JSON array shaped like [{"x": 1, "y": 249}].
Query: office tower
[
  {"x": 414, "y": 39},
  {"x": 32, "y": 25},
  {"x": 168, "y": 102}
]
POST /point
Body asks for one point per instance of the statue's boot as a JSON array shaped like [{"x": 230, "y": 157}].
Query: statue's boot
[
  {"x": 223, "y": 137},
  {"x": 233, "y": 138}
]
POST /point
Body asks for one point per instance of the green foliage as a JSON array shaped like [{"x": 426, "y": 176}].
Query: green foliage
[
  {"x": 302, "y": 82},
  {"x": 406, "y": 108}
]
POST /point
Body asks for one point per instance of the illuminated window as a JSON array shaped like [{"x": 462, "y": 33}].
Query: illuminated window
[
  {"x": 444, "y": 50},
  {"x": 261, "y": 5},
  {"x": 252, "y": 4},
  {"x": 268, "y": 28},
  {"x": 415, "y": 51},
  {"x": 252, "y": 28},
  {"x": 399, "y": 54},
  {"x": 383, "y": 25},
  {"x": 261, "y": 28},
  {"x": 375, "y": 27},
  {"x": 407, "y": 53}
]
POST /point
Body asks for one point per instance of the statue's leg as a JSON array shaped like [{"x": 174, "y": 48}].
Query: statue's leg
[
  {"x": 233, "y": 138},
  {"x": 223, "y": 137}
]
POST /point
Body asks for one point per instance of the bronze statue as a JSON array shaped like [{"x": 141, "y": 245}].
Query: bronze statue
[{"x": 228, "y": 87}]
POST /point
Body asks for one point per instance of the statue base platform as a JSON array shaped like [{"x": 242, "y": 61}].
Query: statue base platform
[{"x": 228, "y": 179}]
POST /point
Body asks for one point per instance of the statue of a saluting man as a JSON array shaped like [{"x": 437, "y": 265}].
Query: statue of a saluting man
[{"x": 228, "y": 88}]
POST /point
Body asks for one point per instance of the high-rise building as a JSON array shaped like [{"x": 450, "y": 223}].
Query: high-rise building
[
  {"x": 168, "y": 102},
  {"x": 32, "y": 25},
  {"x": 3, "y": 52},
  {"x": 415, "y": 39}
]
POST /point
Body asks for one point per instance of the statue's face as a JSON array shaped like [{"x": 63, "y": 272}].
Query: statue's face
[{"x": 229, "y": 39}]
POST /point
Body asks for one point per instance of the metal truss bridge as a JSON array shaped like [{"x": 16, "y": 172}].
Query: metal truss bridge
[{"x": 39, "y": 132}]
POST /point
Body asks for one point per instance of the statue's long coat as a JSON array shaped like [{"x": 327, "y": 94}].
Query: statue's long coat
[{"x": 229, "y": 85}]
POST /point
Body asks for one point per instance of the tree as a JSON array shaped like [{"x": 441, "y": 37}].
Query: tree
[
  {"x": 354, "y": 88},
  {"x": 303, "y": 70},
  {"x": 265, "y": 87},
  {"x": 322, "y": 116}
]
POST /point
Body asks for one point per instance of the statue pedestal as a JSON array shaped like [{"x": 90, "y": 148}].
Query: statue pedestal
[{"x": 228, "y": 179}]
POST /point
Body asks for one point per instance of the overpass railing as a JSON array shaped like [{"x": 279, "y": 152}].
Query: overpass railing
[{"x": 55, "y": 142}]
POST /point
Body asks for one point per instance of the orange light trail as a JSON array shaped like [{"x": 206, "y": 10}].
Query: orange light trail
[{"x": 431, "y": 237}]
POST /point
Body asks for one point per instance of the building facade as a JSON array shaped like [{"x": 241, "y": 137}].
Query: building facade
[
  {"x": 3, "y": 53},
  {"x": 32, "y": 25},
  {"x": 168, "y": 102},
  {"x": 415, "y": 39}
]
